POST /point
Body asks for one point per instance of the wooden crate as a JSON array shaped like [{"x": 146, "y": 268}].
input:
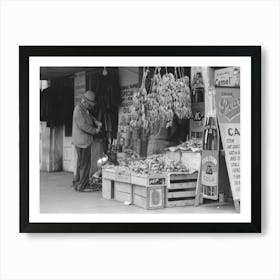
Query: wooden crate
[
  {"x": 107, "y": 188},
  {"x": 123, "y": 177},
  {"x": 181, "y": 189},
  {"x": 109, "y": 173},
  {"x": 147, "y": 180},
  {"x": 108, "y": 179},
  {"x": 123, "y": 192},
  {"x": 149, "y": 197}
]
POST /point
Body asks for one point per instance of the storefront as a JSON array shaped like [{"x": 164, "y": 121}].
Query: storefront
[{"x": 156, "y": 134}]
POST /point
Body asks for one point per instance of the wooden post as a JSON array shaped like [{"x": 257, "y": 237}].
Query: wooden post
[{"x": 198, "y": 197}]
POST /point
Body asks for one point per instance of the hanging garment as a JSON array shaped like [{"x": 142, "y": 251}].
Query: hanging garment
[
  {"x": 109, "y": 99},
  {"x": 43, "y": 106},
  {"x": 57, "y": 105}
]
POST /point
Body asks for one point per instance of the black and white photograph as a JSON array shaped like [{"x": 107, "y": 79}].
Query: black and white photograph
[
  {"x": 121, "y": 138},
  {"x": 140, "y": 139}
]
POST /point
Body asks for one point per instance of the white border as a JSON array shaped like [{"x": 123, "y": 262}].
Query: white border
[{"x": 245, "y": 94}]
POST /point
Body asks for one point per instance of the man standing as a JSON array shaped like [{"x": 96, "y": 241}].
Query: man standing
[{"x": 85, "y": 127}]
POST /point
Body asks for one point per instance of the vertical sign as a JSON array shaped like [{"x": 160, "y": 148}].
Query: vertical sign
[
  {"x": 228, "y": 111},
  {"x": 79, "y": 86},
  {"x": 127, "y": 93}
]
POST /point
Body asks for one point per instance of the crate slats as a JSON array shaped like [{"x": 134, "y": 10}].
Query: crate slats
[
  {"x": 181, "y": 194},
  {"x": 139, "y": 190},
  {"x": 123, "y": 187},
  {"x": 186, "y": 185},
  {"x": 138, "y": 180},
  {"x": 178, "y": 203},
  {"x": 123, "y": 177},
  {"x": 181, "y": 189},
  {"x": 123, "y": 192},
  {"x": 109, "y": 173},
  {"x": 122, "y": 196},
  {"x": 182, "y": 176}
]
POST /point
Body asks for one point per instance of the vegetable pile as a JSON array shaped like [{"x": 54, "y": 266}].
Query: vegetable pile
[
  {"x": 194, "y": 145},
  {"x": 156, "y": 164}
]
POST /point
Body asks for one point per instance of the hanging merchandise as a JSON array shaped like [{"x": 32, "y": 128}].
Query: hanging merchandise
[
  {"x": 138, "y": 110},
  {"x": 57, "y": 104},
  {"x": 109, "y": 99},
  {"x": 169, "y": 97},
  {"x": 210, "y": 152}
]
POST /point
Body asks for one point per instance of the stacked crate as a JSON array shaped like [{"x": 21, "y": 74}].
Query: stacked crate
[
  {"x": 181, "y": 189},
  {"x": 108, "y": 181},
  {"x": 149, "y": 190},
  {"x": 123, "y": 187}
]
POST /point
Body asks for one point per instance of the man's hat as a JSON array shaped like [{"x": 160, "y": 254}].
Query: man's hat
[{"x": 90, "y": 96}]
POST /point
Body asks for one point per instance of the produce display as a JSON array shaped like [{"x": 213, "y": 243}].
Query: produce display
[
  {"x": 150, "y": 165},
  {"x": 169, "y": 96},
  {"x": 130, "y": 155},
  {"x": 194, "y": 145},
  {"x": 156, "y": 164}
]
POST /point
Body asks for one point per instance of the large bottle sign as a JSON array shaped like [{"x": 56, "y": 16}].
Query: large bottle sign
[
  {"x": 197, "y": 103},
  {"x": 210, "y": 151},
  {"x": 228, "y": 111}
]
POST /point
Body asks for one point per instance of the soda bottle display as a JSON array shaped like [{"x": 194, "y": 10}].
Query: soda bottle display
[
  {"x": 210, "y": 152},
  {"x": 197, "y": 105}
]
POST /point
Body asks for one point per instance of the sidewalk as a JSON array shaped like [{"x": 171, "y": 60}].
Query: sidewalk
[{"x": 57, "y": 196}]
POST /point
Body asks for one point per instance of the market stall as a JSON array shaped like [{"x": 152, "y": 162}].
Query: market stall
[{"x": 166, "y": 173}]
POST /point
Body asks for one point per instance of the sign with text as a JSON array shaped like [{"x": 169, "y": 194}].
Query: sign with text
[
  {"x": 227, "y": 77},
  {"x": 228, "y": 112},
  {"x": 197, "y": 119},
  {"x": 127, "y": 93},
  {"x": 209, "y": 174},
  {"x": 79, "y": 86}
]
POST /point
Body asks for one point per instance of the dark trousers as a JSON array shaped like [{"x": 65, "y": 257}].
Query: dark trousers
[{"x": 83, "y": 167}]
